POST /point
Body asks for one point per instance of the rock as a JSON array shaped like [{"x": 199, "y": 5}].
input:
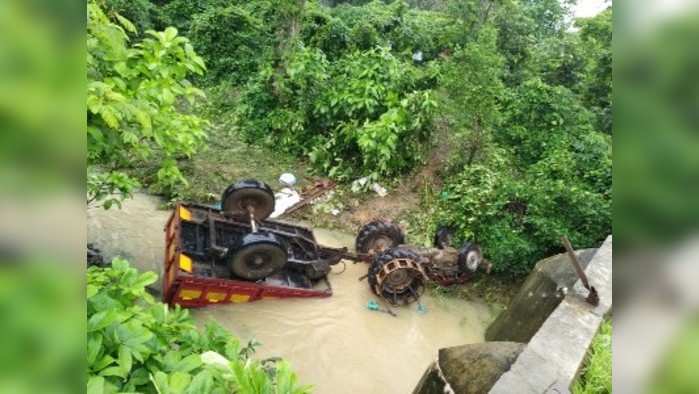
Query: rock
[
  {"x": 540, "y": 294},
  {"x": 468, "y": 369}
]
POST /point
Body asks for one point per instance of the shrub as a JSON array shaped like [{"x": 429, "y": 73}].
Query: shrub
[
  {"x": 138, "y": 105},
  {"x": 230, "y": 40},
  {"x": 135, "y": 344},
  {"x": 361, "y": 115},
  {"x": 141, "y": 13},
  {"x": 540, "y": 117},
  {"x": 547, "y": 173},
  {"x": 518, "y": 217}
]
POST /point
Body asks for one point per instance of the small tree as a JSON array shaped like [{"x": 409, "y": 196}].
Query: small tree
[
  {"x": 136, "y": 100},
  {"x": 473, "y": 76}
]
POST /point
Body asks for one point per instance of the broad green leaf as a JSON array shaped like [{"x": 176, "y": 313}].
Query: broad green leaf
[
  {"x": 179, "y": 381},
  {"x": 113, "y": 371},
  {"x": 202, "y": 383},
  {"x": 126, "y": 23},
  {"x": 188, "y": 363},
  {"x": 95, "y": 385},
  {"x": 125, "y": 359},
  {"x": 94, "y": 345}
]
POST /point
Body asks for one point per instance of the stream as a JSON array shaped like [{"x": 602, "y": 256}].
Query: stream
[{"x": 335, "y": 344}]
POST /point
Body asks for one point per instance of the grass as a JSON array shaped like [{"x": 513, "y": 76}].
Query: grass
[
  {"x": 596, "y": 377},
  {"x": 226, "y": 158}
]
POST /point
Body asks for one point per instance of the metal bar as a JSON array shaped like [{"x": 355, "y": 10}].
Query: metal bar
[
  {"x": 576, "y": 263},
  {"x": 592, "y": 296}
]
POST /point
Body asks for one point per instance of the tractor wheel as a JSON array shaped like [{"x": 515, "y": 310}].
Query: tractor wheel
[
  {"x": 377, "y": 236},
  {"x": 257, "y": 256},
  {"x": 442, "y": 237},
  {"x": 397, "y": 276},
  {"x": 470, "y": 257},
  {"x": 249, "y": 193}
]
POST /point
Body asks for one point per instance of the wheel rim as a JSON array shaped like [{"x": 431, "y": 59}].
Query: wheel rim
[
  {"x": 258, "y": 261},
  {"x": 400, "y": 281},
  {"x": 380, "y": 243}
]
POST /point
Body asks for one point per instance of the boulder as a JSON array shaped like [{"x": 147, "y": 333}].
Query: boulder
[
  {"x": 541, "y": 293},
  {"x": 468, "y": 369}
]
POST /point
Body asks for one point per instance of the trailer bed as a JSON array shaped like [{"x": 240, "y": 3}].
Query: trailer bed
[{"x": 192, "y": 278}]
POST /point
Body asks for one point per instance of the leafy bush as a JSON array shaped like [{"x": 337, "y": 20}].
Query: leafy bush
[
  {"x": 364, "y": 114},
  {"x": 230, "y": 39},
  {"x": 141, "y": 13},
  {"x": 540, "y": 117},
  {"x": 546, "y": 173},
  {"x": 135, "y": 344},
  {"x": 136, "y": 100},
  {"x": 181, "y": 13},
  {"x": 518, "y": 216}
]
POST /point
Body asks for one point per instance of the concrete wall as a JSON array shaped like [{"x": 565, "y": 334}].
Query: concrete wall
[{"x": 553, "y": 357}]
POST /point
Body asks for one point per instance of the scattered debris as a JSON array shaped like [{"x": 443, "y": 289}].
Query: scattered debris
[
  {"x": 287, "y": 179},
  {"x": 374, "y": 306},
  {"x": 417, "y": 56},
  {"x": 378, "y": 189},
  {"x": 310, "y": 193},
  {"x": 359, "y": 184},
  {"x": 284, "y": 200}
]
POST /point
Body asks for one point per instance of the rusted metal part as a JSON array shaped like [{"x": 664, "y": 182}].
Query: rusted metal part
[
  {"x": 592, "y": 296},
  {"x": 316, "y": 190},
  {"x": 398, "y": 278}
]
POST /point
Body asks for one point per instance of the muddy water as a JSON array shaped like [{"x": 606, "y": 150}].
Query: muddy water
[
  {"x": 134, "y": 232},
  {"x": 335, "y": 344}
]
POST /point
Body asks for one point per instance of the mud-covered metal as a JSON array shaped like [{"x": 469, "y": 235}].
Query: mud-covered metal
[{"x": 398, "y": 273}]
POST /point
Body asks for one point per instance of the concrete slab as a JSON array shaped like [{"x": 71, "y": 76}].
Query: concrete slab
[{"x": 553, "y": 357}]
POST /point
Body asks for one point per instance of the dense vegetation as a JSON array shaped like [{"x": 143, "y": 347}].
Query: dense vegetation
[
  {"x": 356, "y": 88},
  {"x": 135, "y": 344}
]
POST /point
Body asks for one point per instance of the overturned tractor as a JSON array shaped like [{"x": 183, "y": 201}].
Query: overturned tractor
[{"x": 398, "y": 272}]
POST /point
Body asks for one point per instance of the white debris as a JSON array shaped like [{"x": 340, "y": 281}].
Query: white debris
[
  {"x": 287, "y": 179},
  {"x": 335, "y": 211},
  {"x": 380, "y": 190},
  {"x": 417, "y": 56},
  {"x": 283, "y": 200},
  {"x": 360, "y": 184}
]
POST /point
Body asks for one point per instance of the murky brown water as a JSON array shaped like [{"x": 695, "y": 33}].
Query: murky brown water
[{"x": 335, "y": 344}]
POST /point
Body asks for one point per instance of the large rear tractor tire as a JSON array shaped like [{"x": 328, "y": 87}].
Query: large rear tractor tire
[
  {"x": 257, "y": 256},
  {"x": 247, "y": 194},
  {"x": 377, "y": 236},
  {"x": 396, "y": 276}
]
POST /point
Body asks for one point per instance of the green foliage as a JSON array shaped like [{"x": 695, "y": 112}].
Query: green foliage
[
  {"x": 135, "y": 344},
  {"x": 473, "y": 75},
  {"x": 137, "y": 104},
  {"x": 596, "y": 377},
  {"x": 518, "y": 216},
  {"x": 230, "y": 39},
  {"x": 541, "y": 117},
  {"x": 181, "y": 13},
  {"x": 142, "y": 13},
  {"x": 596, "y": 34},
  {"x": 361, "y": 115},
  {"x": 547, "y": 174}
]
